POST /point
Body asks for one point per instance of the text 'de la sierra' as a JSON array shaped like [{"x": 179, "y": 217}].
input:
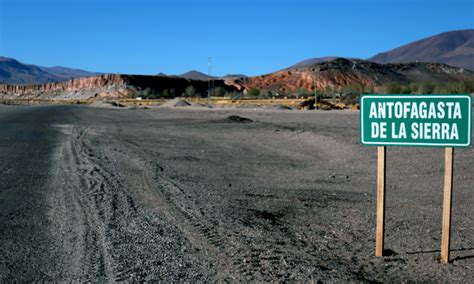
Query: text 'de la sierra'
[{"x": 416, "y": 120}]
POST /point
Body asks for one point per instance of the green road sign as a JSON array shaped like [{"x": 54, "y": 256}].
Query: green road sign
[{"x": 416, "y": 120}]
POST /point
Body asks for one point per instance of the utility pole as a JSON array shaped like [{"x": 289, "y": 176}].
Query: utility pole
[
  {"x": 315, "y": 92},
  {"x": 315, "y": 97},
  {"x": 209, "y": 81}
]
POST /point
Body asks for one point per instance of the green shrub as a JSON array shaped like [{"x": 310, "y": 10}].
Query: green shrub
[
  {"x": 218, "y": 92},
  {"x": 253, "y": 92},
  {"x": 392, "y": 88},
  {"x": 190, "y": 91},
  {"x": 427, "y": 87}
]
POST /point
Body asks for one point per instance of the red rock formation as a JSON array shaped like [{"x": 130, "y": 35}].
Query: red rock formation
[
  {"x": 74, "y": 85},
  {"x": 110, "y": 86},
  {"x": 343, "y": 72}
]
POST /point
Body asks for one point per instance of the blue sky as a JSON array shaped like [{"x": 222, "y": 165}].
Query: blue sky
[{"x": 250, "y": 37}]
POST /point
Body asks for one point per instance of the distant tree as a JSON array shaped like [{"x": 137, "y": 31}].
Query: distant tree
[
  {"x": 265, "y": 94},
  {"x": 458, "y": 88},
  {"x": 446, "y": 88},
  {"x": 352, "y": 89},
  {"x": 427, "y": 87},
  {"x": 133, "y": 95},
  {"x": 166, "y": 94},
  {"x": 392, "y": 88},
  {"x": 329, "y": 90},
  {"x": 219, "y": 92},
  {"x": 236, "y": 95},
  {"x": 414, "y": 88},
  {"x": 190, "y": 91},
  {"x": 253, "y": 92},
  {"x": 469, "y": 86},
  {"x": 146, "y": 93},
  {"x": 301, "y": 92},
  {"x": 405, "y": 89},
  {"x": 369, "y": 89}
]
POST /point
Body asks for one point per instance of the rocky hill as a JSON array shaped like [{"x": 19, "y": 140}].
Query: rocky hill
[
  {"x": 316, "y": 60},
  {"x": 455, "y": 48},
  {"x": 342, "y": 72},
  {"x": 110, "y": 86},
  {"x": 196, "y": 75}
]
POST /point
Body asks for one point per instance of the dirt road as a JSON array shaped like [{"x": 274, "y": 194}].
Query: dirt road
[{"x": 170, "y": 194}]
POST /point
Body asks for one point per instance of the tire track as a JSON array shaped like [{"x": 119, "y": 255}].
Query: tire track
[
  {"x": 79, "y": 179},
  {"x": 114, "y": 239}
]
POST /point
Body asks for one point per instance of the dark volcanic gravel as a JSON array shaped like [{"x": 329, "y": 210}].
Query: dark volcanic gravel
[
  {"x": 91, "y": 194},
  {"x": 236, "y": 118}
]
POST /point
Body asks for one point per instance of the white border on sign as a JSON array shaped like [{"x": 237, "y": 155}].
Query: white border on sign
[{"x": 468, "y": 97}]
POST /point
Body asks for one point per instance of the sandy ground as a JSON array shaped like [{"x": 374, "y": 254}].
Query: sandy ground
[{"x": 172, "y": 194}]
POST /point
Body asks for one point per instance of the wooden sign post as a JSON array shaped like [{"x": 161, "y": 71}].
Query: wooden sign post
[
  {"x": 380, "y": 201},
  {"x": 415, "y": 120},
  {"x": 448, "y": 188}
]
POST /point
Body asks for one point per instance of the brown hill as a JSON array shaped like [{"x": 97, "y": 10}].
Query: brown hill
[
  {"x": 14, "y": 72},
  {"x": 455, "y": 48},
  {"x": 196, "y": 75},
  {"x": 342, "y": 72},
  {"x": 316, "y": 60}
]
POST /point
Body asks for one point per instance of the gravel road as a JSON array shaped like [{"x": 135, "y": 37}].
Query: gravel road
[{"x": 93, "y": 194}]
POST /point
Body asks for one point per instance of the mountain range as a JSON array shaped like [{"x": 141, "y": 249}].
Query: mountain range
[
  {"x": 326, "y": 76},
  {"x": 196, "y": 75},
  {"x": 14, "y": 72},
  {"x": 454, "y": 51},
  {"x": 455, "y": 48}
]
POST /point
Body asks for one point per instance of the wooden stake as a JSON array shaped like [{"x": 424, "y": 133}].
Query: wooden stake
[
  {"x": 448, "y": 188},
  {"x": 379, "y": 245}
]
